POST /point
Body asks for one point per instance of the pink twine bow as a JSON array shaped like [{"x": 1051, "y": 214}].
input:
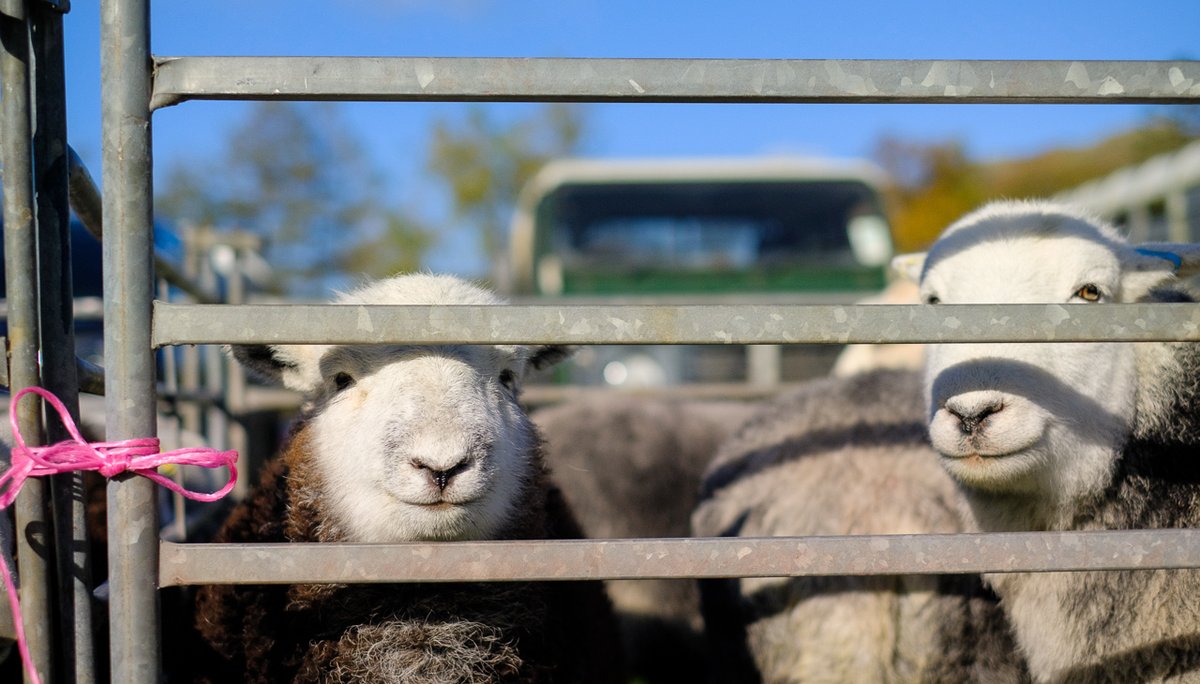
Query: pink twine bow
[{"x": 138, "y": 456}]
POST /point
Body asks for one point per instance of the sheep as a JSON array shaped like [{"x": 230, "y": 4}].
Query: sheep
[
  {"x": 859, "y": 358},
  {"x": 630, "y": 465},
  {"x": 400, "y": 443},
  {"x": 1082, "y": 436},
  {"x": 840, "y": 456}
]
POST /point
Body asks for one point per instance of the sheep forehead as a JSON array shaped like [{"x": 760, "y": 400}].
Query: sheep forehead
[
  {"x": 420, "y": 289},
  {"x": 1021, "y": 256},
  {"x": 1023, "y": 270},
  {"x": 487, "y": 360}
]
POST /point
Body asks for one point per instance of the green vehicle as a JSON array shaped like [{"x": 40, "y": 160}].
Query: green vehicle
[{"x": 674, "y": 231}]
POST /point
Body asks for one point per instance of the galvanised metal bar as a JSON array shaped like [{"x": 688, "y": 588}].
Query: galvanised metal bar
[
  {"x": 128, "y": 358},
  {"x": 34, "y": 543},
  {"x": 84, "y": 196},
  {"x": 449, "y": 79},
  {"x": 689, "y": 324},
  {"x": 56, "y": 299},
  {"x": 91, "y": 377},
  {"x": 660, "y": 558},
  {"x": 87, "y": 203}
]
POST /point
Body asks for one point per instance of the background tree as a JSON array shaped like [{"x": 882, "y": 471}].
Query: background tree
[
  {"x": 293, "y": 174},
  {"x": 484, "y": 163},
  {"x": 932, "y": 184}
]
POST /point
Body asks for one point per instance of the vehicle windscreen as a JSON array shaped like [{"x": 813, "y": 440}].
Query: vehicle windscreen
[{"x": 602, "y": 232}]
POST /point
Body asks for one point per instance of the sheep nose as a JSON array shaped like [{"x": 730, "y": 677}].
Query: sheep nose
[
  {"x": 441, "y": 476},
  {"x": 972, "y": 411}
]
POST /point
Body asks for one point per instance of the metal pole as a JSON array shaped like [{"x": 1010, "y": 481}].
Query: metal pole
[
  {"x": 235, "y": 379},
  {"x": 704, "y": 557},
  {"x": 521, "y": 79},
  {"x": 58, "y": 336},
  {"x": 673, "y": 324},
  {"x": 128, "y": 358},
  {"x": 35, "y": 565}
]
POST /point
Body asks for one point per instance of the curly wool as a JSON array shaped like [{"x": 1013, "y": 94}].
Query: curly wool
[{"x": 526, "y": 633}]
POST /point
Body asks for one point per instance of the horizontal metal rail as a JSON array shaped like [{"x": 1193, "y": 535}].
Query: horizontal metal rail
[
  {"x": 661, "y": 558},
  {"x": 177, "y": 324},
  {"x": 454, "y": 79}
]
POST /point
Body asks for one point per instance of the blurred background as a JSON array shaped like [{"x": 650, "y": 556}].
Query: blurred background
[{"x": 339, "y": 191}]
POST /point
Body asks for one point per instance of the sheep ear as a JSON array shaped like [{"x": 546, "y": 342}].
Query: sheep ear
[
  {"x": 1184, "y": 257},
  {"x": 1153, "y": 264},
  {"x": 287, "y": 366},
  {"x": 548, "y": 355},
  {"x": 909, "y": 266}
]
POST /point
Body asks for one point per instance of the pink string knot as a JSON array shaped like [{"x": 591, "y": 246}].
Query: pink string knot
[{"x": 139, "y": 456}]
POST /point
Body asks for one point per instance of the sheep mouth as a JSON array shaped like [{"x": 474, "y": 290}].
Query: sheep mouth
[
  {"x": 442, "y": 504},
  {"x": 438, "y": 506},
  {"x": 975, "y": 457}
]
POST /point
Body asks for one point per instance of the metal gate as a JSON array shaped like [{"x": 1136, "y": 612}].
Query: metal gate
[{"x": 136, "y": 83}]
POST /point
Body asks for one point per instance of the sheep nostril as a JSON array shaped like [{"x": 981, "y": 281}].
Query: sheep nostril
[
  {"x": 441, "y": 477},
  {"x": 969, "y": 420}
]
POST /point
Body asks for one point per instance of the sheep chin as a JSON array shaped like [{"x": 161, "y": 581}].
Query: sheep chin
[
  {"x": 424, "y": 522},
  {"x": 1015, "y": 473}
]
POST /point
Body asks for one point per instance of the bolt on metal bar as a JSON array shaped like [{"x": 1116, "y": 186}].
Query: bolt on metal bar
[
  {"x": 663, "y": 558},
  {"x": 136, "y": 650},
  {"x": 33, "y": 539},
  {"x": 176, "y": 324},
  {"x": 450, "y": 79},
  {"x": 58, "y": 338}
]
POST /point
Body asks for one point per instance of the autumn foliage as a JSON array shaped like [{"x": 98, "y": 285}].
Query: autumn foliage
[{"x": 933, "y": 184}]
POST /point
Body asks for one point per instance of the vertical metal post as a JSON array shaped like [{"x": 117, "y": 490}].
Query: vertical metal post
[
  {"x": 216, "y": 430},
  {"x": 1177, "y": 215},
  {"x": 128, "y": 357},
  {"x": 34, "y": 542},
  {"x": 50, "y": 163},
  {"x": 1139, "y": 223},
  {"x": 764, "y": 364},
  {"x": 235, "y": 376},
  {"x": 189, "y": 375}
]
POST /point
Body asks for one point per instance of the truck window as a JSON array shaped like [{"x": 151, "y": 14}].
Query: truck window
[
  {"x": 675, "y": 231},
  {"x": 708, "y": 237}
]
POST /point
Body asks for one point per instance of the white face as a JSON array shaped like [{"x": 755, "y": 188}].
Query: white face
[
  {"x": 413, "y": 443},
  {"x": 420, "y": 443},
  {"x": 1031, "y": 419}
]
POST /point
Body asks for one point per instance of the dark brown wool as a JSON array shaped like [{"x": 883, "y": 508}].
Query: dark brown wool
[{"x": 412, "y": 633}]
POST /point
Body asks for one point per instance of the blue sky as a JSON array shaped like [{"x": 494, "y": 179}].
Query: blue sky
[{"x": 796, "y": 29}]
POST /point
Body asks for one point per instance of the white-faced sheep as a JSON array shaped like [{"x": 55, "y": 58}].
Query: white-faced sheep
[
  {"x": 401, "y": 443},
  {"x": 843, "y": 456},
  {"x": 1076, "y": 436},
  {"x": 630, "y": 466}
]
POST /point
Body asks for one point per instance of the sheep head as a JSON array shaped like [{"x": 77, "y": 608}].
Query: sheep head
[
  {"x": 413, "y": 442},
  {"x": 1042, "y": 422}
]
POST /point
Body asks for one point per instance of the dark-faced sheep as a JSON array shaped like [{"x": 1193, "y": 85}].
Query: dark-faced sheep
[
  {"x": 844, "y": 456},
  {"x": 400, "y": 443},
  {"x": 630, "y": 466},
  {"x": 1079, "y": 436}
]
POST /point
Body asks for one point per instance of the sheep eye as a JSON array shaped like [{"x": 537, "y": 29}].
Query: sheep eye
[
  {"x": 508, "y": 379},
  {"x": 342, "y": 380},
  {"x": 1088, "y": 293}
]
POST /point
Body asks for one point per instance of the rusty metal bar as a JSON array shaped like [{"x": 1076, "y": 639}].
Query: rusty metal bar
[
  {"x": 450, "y": 79},
  {"x": 176, "y": 324},
  {"x": 661, "y": 558}
]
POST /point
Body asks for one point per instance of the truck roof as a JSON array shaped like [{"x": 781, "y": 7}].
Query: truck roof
[{"x": 668, "y": 170}]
